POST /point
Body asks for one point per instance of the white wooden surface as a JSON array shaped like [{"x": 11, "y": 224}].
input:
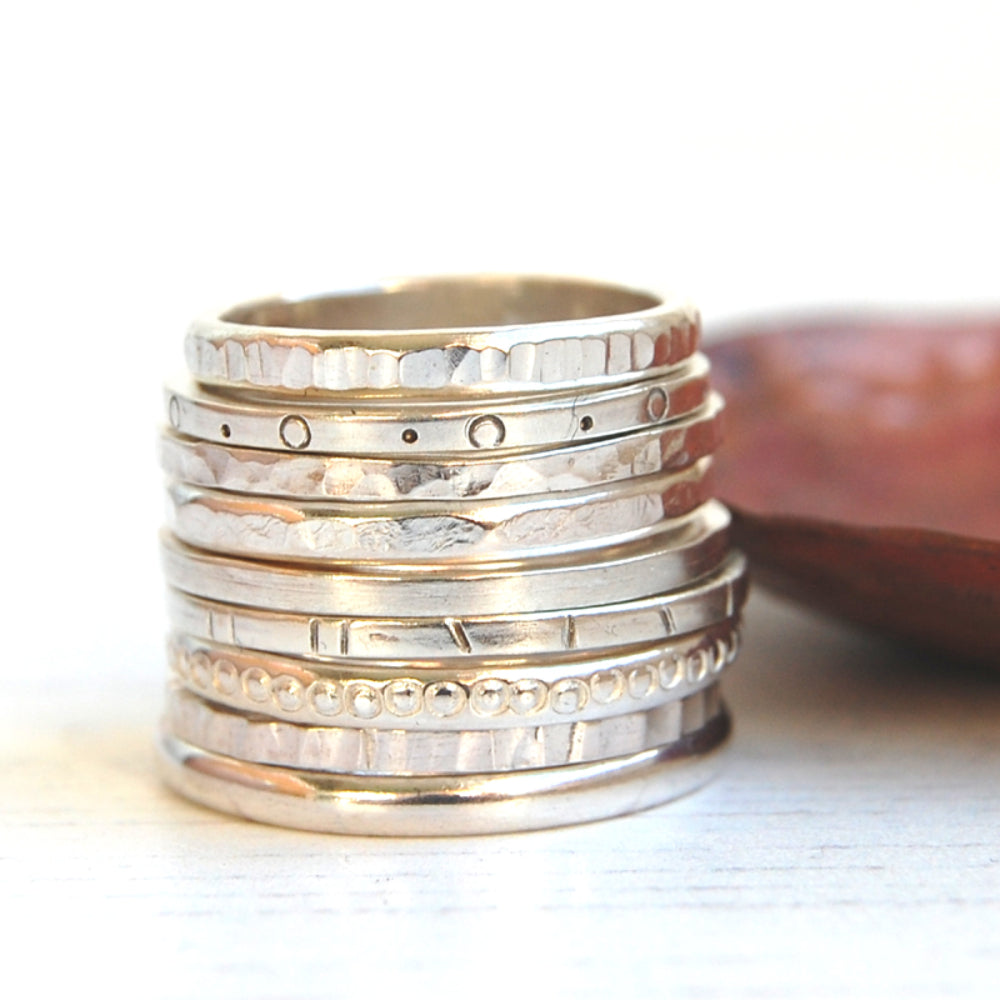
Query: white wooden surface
[{"x": 849, "y": 847}]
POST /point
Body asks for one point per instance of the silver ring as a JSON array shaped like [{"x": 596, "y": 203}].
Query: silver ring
[
  {"x": 435, "y": 694},
  {"x": 398, "y": 752},
  {"x": 367, "y": 479},
  {"x": 444, "y": 805},
  {"x": 397, "y": 429},
  {"x": 311, "y": 531},
  {"x": 653, "y": 619},
  {"x": 460, "y": 335},
  {"x": 673, "y": 555},
  {"x": 441, "y": 560}
]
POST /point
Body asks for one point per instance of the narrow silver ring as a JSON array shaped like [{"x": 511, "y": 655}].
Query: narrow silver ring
[
  {"x": 698, "y": 606},
  {"x": 457, "y": 335},
  {"x": 487, "y": 694},
  {"x": 444, "y": 805},
  {"x": 483, "y": 476},
  {"x": 317, "y": 531},
  {"x": 674, "y": 555},
  {"x": 504, "y": 427},
  {"x": 405, "y": 752}
]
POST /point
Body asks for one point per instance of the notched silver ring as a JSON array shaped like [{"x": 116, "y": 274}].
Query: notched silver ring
[{"x": 463, "y": 335}]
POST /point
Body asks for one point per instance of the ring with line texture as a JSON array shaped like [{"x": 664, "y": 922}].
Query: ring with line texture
[
  {"x": 452, "y": 337},
  {"x": 442, "y": 805},
  {"x": 359, "y": 751},
  {"x": 698, "y": 606}
]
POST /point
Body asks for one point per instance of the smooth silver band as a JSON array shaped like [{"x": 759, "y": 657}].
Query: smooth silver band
[
  {"x": 662, "y": 616},
  {"x": 674, "y": 555},
  {"x": 444, "y": 805}
]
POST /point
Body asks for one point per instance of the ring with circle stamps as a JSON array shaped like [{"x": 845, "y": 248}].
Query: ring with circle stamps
[
  {"x": 414, "y": 695},
  {"x": 369, "y": 479},
  {"x": 393, "y": 429}
]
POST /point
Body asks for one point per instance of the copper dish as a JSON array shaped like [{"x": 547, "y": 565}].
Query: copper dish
[{"x": 862, "y": 461}]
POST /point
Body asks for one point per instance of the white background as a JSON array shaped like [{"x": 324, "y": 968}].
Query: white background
[{"x": 158, "y": 159}]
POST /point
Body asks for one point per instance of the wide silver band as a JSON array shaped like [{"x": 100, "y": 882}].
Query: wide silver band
[
  {"x": 436, "y": 694},
  {"x": 368, "y": 479},
  {"x": 672, "y": 555},
  {"x": 703, "y": 603},
  {"x": 352, "y": 750},
  {"x": 471, "y": 335},
  {"x": 289, "y": 530},
  {"x": 444, "y": 805}
]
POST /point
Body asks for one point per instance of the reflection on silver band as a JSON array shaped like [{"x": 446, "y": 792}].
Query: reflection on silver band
[
  {"x": 399, "y": 752},
  {"x": 700, "y": 605},
  {"x": 673, "y": 555},
  {"x": 445, "y": 805},
  {"x": 278, "y": 528}
]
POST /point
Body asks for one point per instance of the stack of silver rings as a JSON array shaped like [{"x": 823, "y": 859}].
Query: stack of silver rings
[{"x": 443, "y": 558}]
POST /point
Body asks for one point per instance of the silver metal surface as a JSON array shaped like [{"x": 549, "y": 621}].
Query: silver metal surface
[
  {"x": 367, "y": 479},
  {"x": 697, "y": 606},
  {"x": 439, "y": 694},
  {"x": 391, "y": 428},
  {"x": 673, "y": 555},
  {"x": 310, "y": 530},
  {"x": 461, "y": 335},
  {"x": 353, "y": 750},
  {"x": 442, "y": 558},
  {"x": 444, "y": 805}
]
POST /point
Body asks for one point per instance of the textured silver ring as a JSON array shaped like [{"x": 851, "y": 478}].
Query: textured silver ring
[
  {"x": 514, "y": 528},
  {"x": 460, "y": 335},
  {"x": 369, "y": 479},
  {"x": 442, "y": 557},
  {"x": 399, "y": 429},
  {"x": 698, "y": 606},
  {"x": 445, "y": 805},
  {"x": 433, "y": 694},
  {"x": 673, "y": 555},
  {"x": 453, "y": 751}
]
